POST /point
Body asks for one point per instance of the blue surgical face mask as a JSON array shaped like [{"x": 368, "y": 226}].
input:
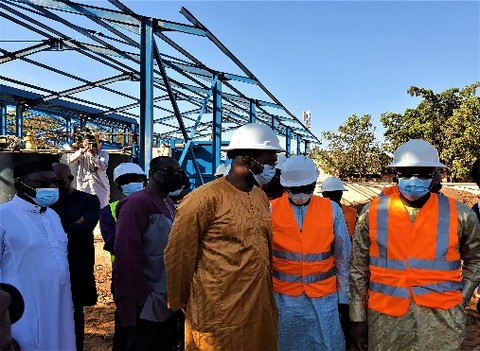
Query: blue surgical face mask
[
  {"x": 130, "y": 188},
  {"x": 267, "y": 174},
  {"x": 414, "y": 188},
  {"x": 46, "y": 196},
  {"x": 300, "y": 199},
  {"x": 175, "y": 193}
]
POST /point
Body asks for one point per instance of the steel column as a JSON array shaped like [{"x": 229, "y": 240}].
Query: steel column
[
  {"x": 3, "y": 119},
  {"x": 273, "y": 123},
  {"x": 113, "y": 138},
  {"x": 216, "y": 125},
  {"x": 68, "y": 130},
  {"x": 288, "y": 140},
  {"x": 19, "y": 120},
  {"x": 146, "y": 94},
  {"x": 253, "y": 111},
  {"x": 307, "y": 148},
  {"x": 125, "y": 135},
  {"x": 299, "y": 141}
]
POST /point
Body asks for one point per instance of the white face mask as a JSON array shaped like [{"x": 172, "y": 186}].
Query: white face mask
[
  {"x": 267, "y": 174},
  {"x": 176, "y": 192},
  {"x": 299, "y": 199}
]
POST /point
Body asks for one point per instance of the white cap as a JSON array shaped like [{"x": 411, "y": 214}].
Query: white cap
[
  {"x": 416, "y": 153},
  {"x": 253, "y": 136},
  {"x": 298, "y": 171},
  {"x": 332, "y": 184},
  {"x": 127, "y": 168}
]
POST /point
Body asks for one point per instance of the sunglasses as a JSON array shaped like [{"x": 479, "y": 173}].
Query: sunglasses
[
  {"x": 169, "y": 170},
  {"x": 408, "y": 174},
  {"x": 45, "y": 183}
]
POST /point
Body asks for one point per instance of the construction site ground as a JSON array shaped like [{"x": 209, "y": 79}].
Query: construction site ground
[{"x": 99, "y": 318}]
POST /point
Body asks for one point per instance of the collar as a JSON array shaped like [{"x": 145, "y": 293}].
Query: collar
[{"x": 27, "y": 206}]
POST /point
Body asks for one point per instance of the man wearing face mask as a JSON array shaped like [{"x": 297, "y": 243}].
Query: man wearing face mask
[
  {"x": 218, "y": 257},
  {"x": 144, "y": 219},
  {"x": 310, "y": 262},
  {"x": 79, "y": 213},
  {"x": 408, "y": 288},
  {"x": 129, "y": 178},
  {"x": 33, "y": 258}
]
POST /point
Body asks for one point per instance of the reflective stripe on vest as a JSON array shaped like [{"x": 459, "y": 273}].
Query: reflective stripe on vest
[
  {"x": 302, "y": 260},
  {"x": 307, "y": 279},
  {"x": 292, "y": 256},
  {"x": 418, "y": 260}
]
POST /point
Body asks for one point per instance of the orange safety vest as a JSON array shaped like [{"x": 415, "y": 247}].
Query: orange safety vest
[
  {"x": 390, "y": 190},
  {"x": 302, "y": 260},
  {"x": 418, "y": 260},
  {"x": 350, "y": 214}
]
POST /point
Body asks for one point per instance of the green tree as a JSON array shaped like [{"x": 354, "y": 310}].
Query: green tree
[
  {"x": 440, "y": 119},
  {"x": 352, "y": 150}
]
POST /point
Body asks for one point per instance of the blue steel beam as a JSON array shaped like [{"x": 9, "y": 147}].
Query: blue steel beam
[
  {"x": 3, "y": 119},
  {"x": 299, "y": 141},
  {"x": 19, "y": 120},
  {"x": 253, "y": 111},
  {"x": 288, "y": 140},
  {"x": 199, "y": 118},
  {"x": 146, "y": 94},
  {"x": 216, "y": 125}
]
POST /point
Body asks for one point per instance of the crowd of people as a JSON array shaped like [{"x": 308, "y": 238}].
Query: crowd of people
[{"x": 252, "y": 260}]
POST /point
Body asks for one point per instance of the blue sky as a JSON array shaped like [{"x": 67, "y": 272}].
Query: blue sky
[{"x": 338, "y": 58}]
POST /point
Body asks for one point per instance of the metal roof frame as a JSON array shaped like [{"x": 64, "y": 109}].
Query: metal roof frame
[{"x": 174, "y": 85}]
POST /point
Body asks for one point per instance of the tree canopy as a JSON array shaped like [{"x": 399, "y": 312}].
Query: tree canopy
[
  {"x": 352, "y": 151},
  {"x": 450, "y": 120}
]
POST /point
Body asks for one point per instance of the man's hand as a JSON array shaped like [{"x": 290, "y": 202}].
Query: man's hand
[{"x": 359, "y": 334}]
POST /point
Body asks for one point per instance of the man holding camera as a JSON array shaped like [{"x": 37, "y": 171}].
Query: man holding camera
[{"x": 92, "y": 170}]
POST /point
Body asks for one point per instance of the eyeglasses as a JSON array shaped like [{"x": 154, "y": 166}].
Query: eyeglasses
[{"x": 263, "y": 162}]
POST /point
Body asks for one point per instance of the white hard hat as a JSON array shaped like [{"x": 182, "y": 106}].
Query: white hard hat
[
  {"x": 253, "y": 136},
  {"x": 127, "y": 168},
  {"x": 221, "y": 170},
  {"x": 298, "y": 171},
  {"x": 332, "y": 184},
  {"x": 280, "y": 160},
  {"x": 416, "y": 153}
]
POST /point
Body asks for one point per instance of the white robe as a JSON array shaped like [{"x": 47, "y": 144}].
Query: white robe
[
  {"x": 33, "y": 258},
  {"x": 92, "y": 174}
]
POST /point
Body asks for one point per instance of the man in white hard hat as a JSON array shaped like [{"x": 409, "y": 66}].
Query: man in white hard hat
[
  {"x": 332, "y": 188},
  {"x": 219, "y": 251},
  {"x": 408, "y": 288},
  {"x": 310, "y": 262}
]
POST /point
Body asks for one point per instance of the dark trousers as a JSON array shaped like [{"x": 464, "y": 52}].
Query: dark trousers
[
  {"x": 79, "y": 320},
  {"x": 156, "y": 336},
  {"x": 119, "y": 336}
]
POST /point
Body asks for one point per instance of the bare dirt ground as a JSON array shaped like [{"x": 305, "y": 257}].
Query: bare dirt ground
[{"x": 99, "y": 318}]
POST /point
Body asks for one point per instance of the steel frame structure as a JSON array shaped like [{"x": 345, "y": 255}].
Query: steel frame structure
[{"x": 178, "y": 95}]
